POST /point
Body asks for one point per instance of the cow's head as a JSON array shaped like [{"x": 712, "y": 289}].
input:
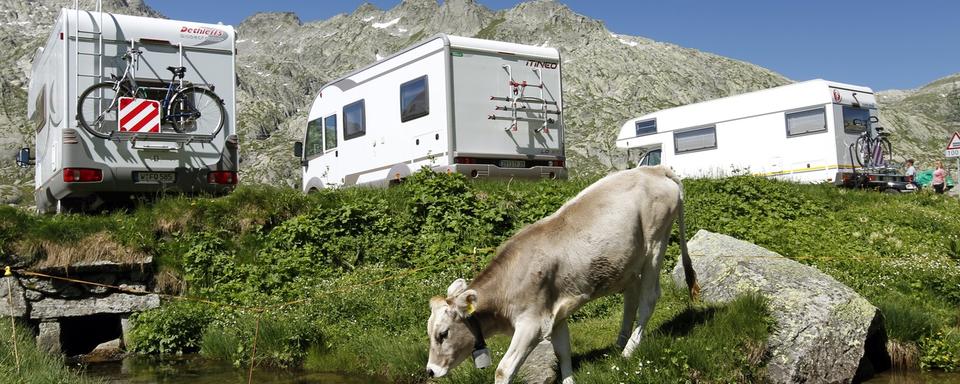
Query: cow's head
[{"x": 451, "y": 339}]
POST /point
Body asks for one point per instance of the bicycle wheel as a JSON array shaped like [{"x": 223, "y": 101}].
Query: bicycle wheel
[
  {"x": 97, "y": 109},
  {"x": 886, "y": 149},
  {"x": 861, "y": 151},
  {"x": 198, "y": 110}
]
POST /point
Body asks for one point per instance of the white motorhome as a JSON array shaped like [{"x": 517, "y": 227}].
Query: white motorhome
[
  {"x": 79, "y": 168},
  {"x": 800, "y": 132},
  {"x": 454, "y": 104}
]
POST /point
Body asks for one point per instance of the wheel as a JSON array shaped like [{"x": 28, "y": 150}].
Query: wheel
[
  {"x": 97, "y": 108},
  {"x": 891, "y": 191},
  {"x": 861, "y": 151},
  {"x": 887, "y": 156},
  {"x": 196, "y": 110}
]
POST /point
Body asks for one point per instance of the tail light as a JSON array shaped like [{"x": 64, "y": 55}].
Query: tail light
[
  {"x": 556, "y": 163},
  {"x": 464, "y": 160},
  {"x": 222, "y": 177},
  {"x": 872, "y": 177},
  {"x": 82, "y": 175}
]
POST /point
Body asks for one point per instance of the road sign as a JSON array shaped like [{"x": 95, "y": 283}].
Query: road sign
[
  {"x": 953, "y": 147},
  {"x": 139, "y": 115},
  {"x": 952, "y": 153}
]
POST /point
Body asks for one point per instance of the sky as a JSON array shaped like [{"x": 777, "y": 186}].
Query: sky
[{"x": 883, "y": 44}]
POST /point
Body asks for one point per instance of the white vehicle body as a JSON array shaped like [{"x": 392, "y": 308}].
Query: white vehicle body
[
  {"x": 85, "y": 48},
  {"x": 446, "y": 103},
  {"x": 799, "y": 132}
]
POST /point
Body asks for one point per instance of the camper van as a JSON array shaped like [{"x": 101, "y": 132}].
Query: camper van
[
  {"x": 482, "y": 108},
  {"x": 801, "y": 132},
  {"x": 102, "y": 144}
]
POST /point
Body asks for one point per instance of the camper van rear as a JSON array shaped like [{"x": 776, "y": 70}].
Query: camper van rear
[
  {"x": 452, "y": 104},
  {"x": 149, "y": 144},
  {"x": 801, "y": 132}
]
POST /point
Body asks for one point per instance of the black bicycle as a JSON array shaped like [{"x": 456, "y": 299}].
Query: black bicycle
[
  {"x": 872, "y": 148},
  {"x": 189, "y": 108}
]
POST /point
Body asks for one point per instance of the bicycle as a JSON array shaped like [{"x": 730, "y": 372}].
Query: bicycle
[
  {"x": 872, "y": 149},
  {"x": 185, "y": 107}
]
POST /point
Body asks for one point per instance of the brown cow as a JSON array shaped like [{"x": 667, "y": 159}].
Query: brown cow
[{"x": 610, "y": 238}]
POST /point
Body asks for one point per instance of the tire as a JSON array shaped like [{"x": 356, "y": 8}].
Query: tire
[
  {"x": 861, "y": 150},
  {"x": 97, "y": 108},
  {"x": 887, "y": 149},
  {"x": 196, "y": 110},
  {"x": 891, "y": 191}
]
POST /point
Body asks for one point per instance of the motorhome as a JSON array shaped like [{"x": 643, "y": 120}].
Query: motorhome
[
  {"x": 452, "y": 104},
  {"x": 801, "y": 132},
  {"x": 79, "y": 167}
]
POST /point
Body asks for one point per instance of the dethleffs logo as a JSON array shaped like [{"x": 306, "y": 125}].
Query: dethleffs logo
[{"x": 203, "y": 35}]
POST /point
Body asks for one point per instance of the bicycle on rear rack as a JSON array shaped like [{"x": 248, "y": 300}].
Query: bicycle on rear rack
[
  {"x": 189, "y": 108},
  {"x": 872, "y": 148}
]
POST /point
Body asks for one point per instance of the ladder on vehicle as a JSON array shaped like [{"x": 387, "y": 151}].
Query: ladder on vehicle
[
  {"x": 518, "y": 102},
  {"x": 96, "y": 54}
]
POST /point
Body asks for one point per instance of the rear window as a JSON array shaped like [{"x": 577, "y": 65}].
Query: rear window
[
  {"x": 695, "y": 139},
  {"x": 855, "y": 119},
  {"x": 803, "y": 122},
  {"x": 414, "y": 99},
  {"x": 354, "y": 120},
  {"x": 313, "y": 145}
]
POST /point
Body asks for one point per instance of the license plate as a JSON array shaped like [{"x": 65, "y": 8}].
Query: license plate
[
  {"x": 513, "y": 164},
  {"x": 156, "y": 177}
]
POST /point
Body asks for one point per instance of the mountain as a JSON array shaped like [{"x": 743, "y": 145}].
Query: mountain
[
  {"x": 283, "y": 62},
  {"x": 922, "y": 120}
]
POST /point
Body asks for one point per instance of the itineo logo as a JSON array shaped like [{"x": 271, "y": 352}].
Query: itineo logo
[
  {"x": 203, "y": 35},
  {"x": 542, "y": 64}
]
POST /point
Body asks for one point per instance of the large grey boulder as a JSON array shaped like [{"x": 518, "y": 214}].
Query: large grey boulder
[
  {"x": 825, "y": 332},
  {"x": 12, "y": 302},
  {"x": 120, "y": 303}
]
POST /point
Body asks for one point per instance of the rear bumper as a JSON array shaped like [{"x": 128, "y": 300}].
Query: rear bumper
[
  {"x": 479, "y": 171},
  {"x": 122, "y": 181}
]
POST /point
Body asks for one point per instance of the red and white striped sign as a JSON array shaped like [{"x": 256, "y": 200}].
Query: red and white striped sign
[{"x": 139, "y": 115}]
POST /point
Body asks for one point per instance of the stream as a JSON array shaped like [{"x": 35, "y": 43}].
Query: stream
[{"x": 196, "y": 370}]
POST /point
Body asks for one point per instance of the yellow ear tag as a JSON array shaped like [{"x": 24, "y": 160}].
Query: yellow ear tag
[{"x": 470, "y": 309}]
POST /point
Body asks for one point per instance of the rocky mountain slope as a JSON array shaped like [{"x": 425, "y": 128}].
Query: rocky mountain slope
[
  {"x": 282, "y": 63},
  {"x": 922, "y": 120}
]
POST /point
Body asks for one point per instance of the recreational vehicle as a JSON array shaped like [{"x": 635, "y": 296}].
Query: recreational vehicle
[
  {"x": 452, "y": 104},
  {"x": 125, "y": 106},
  {"x": 805, "y": 132}
]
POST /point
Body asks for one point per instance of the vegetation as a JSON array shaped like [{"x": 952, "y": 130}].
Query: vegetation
[
  {"x": 340, "y": 280},
  {"x": 35, "y": 366}
]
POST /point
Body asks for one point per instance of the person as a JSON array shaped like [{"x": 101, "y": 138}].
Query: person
[
  {"x": 939, "y": 178},
  {"x": 911, "y": 172}
]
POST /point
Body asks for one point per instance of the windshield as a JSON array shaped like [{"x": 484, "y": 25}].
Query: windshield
[{"x": 855, "y": 119}]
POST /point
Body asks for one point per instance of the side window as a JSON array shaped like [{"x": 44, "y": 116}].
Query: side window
[
  {"x": 354, "y": 120},
  {"x": 313, "y": 145},
  {"x": 39, "y": 116},
  {"x": 695, "y": 139},
  {"x": 646, "y": 127},
  {"x": 414, "y": 99},
  {"x": 330, "y": 132},
  {"x": 803, "y": 122},
  {"x": 651, "y": 158}
]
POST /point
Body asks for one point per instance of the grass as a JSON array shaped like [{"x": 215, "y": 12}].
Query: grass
[{"x": 36, "y": 367}]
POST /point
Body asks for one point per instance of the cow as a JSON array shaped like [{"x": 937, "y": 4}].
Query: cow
[{"x": 608, "y": 239}]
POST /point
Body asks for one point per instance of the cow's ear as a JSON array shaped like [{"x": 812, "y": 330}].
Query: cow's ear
[
  {"x": 465, "y": 301},
  {"x": 459, "y": 285},
  {"x": 437, "y": 302}
]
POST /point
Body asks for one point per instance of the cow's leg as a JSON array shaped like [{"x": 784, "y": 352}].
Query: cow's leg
[
  {"x": 561, "y": 346},
  {"x": 648, "y": 294},
  {"x": 526, "y": 336},
  {"x": 631, "y": 301}
]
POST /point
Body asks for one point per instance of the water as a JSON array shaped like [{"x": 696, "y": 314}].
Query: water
[
  {"x": 915, "y": 378},
  {"x": 195, "y": 370}
]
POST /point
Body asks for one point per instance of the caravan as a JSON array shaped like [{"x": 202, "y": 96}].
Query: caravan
[
  {"x": 806, "y": 132},
  {"x": 454, "y": 104},
  {"x": 125, "y": 106}
]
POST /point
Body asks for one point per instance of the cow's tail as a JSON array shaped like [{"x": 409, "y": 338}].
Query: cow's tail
[{"x": 689, "y": 274}]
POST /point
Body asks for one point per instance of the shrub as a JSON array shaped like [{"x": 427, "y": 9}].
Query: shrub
[{"x": 175, "y": 328}]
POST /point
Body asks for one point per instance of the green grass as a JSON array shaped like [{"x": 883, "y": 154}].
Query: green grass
[
  {"x": 264, "y": 245},
  {"x": 36, "y": 367}
]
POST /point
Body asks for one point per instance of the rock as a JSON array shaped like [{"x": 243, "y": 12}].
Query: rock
[
  {"x": 48, "y": 340},
  {"x": 540, "y": 367},
  {"x": 32, "y": 295},
  {"x": 825, "y": 332},
  {"x": 10, "y": 195},
  {"x": 116, "y": 303},
  {"x": 107, "y": 351},
  {"x": 12, "y": 300},
  {"x": 43, "y": 286}
]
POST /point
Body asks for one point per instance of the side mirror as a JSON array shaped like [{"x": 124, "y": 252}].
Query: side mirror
[
  {"x": 298, "y": 149},
  {"x": 24, "y": 158}
]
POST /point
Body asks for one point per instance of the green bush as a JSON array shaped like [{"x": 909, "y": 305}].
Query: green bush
[
  {"x": 175, "y": 328},
  {"x": 941, "y": 350},
  {"x": 282, "y": 339}
]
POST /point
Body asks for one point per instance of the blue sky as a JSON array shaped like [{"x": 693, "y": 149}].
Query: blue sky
[{"x": 883, "y": 44}]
